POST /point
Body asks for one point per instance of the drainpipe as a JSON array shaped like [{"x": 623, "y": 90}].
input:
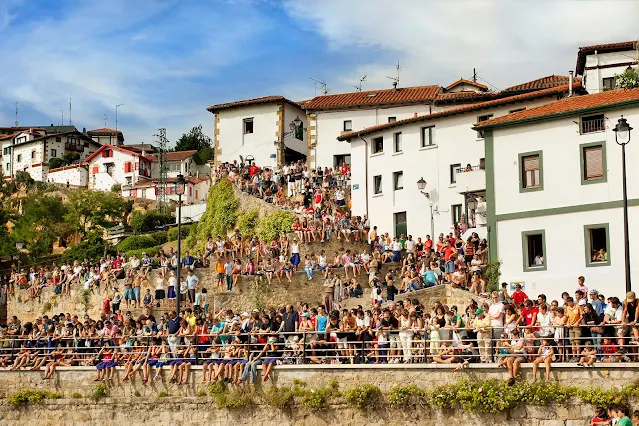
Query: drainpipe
[
  {"x": 365, "y": 169},
  {"x": 570, "y": 83}
]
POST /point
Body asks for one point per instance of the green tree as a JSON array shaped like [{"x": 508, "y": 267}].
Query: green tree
[
  {"x": 24, "y": 178},
  {"x": 7, "y": 243},
  {"x": 40, "y": 224},
  {"x": 195, "y": 139},
  {"x": 94, "y": 210},
  {"x": 56, "y": 162},
  {"x": 629, "y": 79}
]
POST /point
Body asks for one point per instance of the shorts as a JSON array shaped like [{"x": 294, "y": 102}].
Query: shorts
[
  {"x": 136, "y": 293},
  {"x": 394, "y": 341},
  {"x": 128, "y": 294},
  {"x": 342, "y": 343},
  {"x": 220, "y": 276},
  {"x": 340, "y": 203},
  {"x": 449, "y": 267},
  {"x": 574, "y": 333}
]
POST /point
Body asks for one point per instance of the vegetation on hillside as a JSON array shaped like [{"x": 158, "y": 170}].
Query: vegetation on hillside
[
  {"x": 195, "y": 139},
  {"x": 222, "y": 210}
]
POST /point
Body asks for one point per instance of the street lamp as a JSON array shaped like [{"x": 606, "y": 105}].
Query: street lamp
[
  {"x": 180, "y": 183},
  {"x": 421, "y": 185},
  {"x": 622, "y": 137},
  {"x": 293, "y": 126},
  {"x": 19, "y": 247}
]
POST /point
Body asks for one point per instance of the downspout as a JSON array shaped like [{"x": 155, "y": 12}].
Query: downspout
[{"x": 365, "y": 169}]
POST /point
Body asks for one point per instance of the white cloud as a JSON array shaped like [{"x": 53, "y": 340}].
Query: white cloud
[{"x": 507, "y": 41}]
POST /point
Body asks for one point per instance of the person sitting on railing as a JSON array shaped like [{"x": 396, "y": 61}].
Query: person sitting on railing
[{"x": 545, "y": 355}]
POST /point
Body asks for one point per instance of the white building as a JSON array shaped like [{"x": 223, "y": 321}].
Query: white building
[
  {"x": 188, "y": 163},
  {"x": 554, "y": 193},
  {"x": 600, "y": 63},
  {"x": 195, "y": 191},
  {"x": 389, "y": 159},
  {"x": 30, "y": 149},
  {"x": 259, "y": 128},
  {"x": 116, "y": 165},
  {"x": 106, "y": 136},
  {"x": 74, "y": 176}
]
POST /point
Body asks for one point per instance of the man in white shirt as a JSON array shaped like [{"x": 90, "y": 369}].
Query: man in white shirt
[
  {"x": 410, "y": 245},
  {"x": 496, "y": 315}
]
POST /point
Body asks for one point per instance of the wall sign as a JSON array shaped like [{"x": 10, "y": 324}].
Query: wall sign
[{"x": 355, "y": 186}]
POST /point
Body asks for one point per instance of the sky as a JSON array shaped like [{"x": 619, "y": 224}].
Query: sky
[{"x": 166, "y": 61}]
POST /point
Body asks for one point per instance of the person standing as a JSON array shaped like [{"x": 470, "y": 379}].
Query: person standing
[
  {"x": 481, "y": 324},
  {"x": 191, "y": 283}
]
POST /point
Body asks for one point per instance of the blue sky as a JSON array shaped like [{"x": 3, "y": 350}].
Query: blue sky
[{"x": 167, "y": 60}]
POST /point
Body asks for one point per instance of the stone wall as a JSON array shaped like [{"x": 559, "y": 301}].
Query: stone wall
[{"x": 133, "y": 403}]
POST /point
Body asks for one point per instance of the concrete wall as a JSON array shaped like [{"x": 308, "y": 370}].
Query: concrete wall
[
  {"x": 133, "y": 403},
  {"x": 74, "y": 175}
]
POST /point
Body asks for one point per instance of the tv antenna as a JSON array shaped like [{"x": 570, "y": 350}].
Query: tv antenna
[
  {"x": 70, "y": 122},
  {"x": 359, "y": 86},
  {"x": 322, "y": 84},
  {"x": 62, "y": 123},
  {"x": 395, "y": 79},
  {"x": 16, "y": 122},
  {"x": 105, "y": 118}
]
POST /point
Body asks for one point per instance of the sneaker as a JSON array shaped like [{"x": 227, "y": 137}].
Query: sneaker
[
  {"x": 511, "y": 381},
  {"x": 580, "y": 364}
]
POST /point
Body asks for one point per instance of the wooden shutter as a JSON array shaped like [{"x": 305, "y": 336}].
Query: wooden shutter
[
  {"x": 531, "y": 163},
  {"x": 593, "y": 162},
  {"x": 134, "y": 193},
  {"x": 95, "y": 170},
  {"x": 127, "y": 167}
]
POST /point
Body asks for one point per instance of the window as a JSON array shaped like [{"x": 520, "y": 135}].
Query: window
[
  {"x": 401, "y": 227},
  {"x": 479, "y": 120},
  {"x": 33, "y": 155},
  {"x": 58, "y": 139},
  {"x": 530, "y": 166},
  {"x": 392, "y": 119},
  {"x": 397, "y": 142},
  {"x": 348, "y": 125},
  {"x": 597, "y": 244},
  {"x": 299, "y": 132},
  {"x": 534, "y": 250},
  {"x": 516, "y": 110},
  {"x": 427, "y": 136},
  {"x": 608, "y": 83},
  {"x": 593, "y": 163},
  {"x": 5, "y": 151},
  {"x": 22, "y": 139},
  {"x": 19, "y": 159},
  {"x": 482, "y": 164},
  {"x": 129, "y": 180},
  {"x": 456, "y": 212},
  {"x": 398, "y": 180},
  {"x": 7, "y": 167},
  {"x": 593, "y": 123},
  {"x": 143, "y": 193},
  {"x": 378, "y": 145},
  {"x": 453, "y": 173},
  {"x": 338, "y": 160},
  {"x": 54, "y": 153},
  {"x": 173, "y": 166},
  {"x": 109, "y": 168},
  {"x": 248, "y": 126},
  {"x": 377, "y": 184},
  {"x": 127, "y": 167},
  {"x": 107, "y": 153}
]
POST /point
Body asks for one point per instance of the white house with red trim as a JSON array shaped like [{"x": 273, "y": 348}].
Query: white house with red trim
[
  {"x": 73, "y": 176},
  {"x": 116, "y": 165},
  {"x": 106, "y": 136},
  {"x": 188, "y": 163},
  {"x": 195, "y": 191}
]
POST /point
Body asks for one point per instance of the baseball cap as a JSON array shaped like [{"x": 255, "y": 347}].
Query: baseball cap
[
  {"x": 593, "y": 291},
  {"x": 479, "y": 311}
]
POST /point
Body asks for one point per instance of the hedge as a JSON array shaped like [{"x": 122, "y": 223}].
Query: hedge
[
  {"x": 136, "y": 242},
  {"x": 160, "y": 237},
  {"x": 173, "y": 232},
  {"x": 151, "y": 251}
]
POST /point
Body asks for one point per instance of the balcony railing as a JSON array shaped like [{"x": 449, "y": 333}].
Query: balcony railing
[
  {"x": 593, "y": 125},
  {"x": 471, "y": 179}
]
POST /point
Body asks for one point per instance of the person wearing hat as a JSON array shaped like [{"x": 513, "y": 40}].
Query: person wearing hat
[
  {"x": 481, "y": 325},
  {"x": 630, "y": 316},
  {"x": 596, "y": 303}
]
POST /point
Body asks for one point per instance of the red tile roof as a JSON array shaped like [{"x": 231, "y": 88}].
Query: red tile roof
[
  {"x": 173, "y": 156},
  {"x": 601, "y": 48},
  {"x": 464, "y": 97},
  {"x": 575, "y": 104},
  {"x": 104, "y": 131},
  {"x": 553, "y": 91},
  {"x": 9, "y": 136},
  {"x": 467, "y": 82},
  {"x": 374, "y": 98},
  {"x": 248, "y": 102},
  {"x": 539, "y": 84},
  {"x": 190, "y": 179},
  {"x": 120, "y": 148}
]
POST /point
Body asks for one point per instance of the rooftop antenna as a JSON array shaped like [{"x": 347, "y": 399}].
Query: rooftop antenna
[
  {"x": 395, "y": 79},
  {"x": 163, "y": 178},
  {"x": 105, "y": 118},
  {"x": 474, "y": 75},
  {"x": 322, "y": 84},
  {"x": 62, "y": 122},
  {"x": 16, "y": 122},
  {"x": 359, "y": 86}
]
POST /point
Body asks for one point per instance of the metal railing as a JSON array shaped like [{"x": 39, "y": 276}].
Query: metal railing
[{"x": 593, "y": 125}]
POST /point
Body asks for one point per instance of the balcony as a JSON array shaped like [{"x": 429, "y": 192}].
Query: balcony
[
  {"x": 592, "y": 124},
  {"x": 471, "y": 180}
]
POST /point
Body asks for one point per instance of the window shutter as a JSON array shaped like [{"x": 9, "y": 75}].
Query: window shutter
[
  {"x": 127, "y": 167},
  {"x": 105, "y": 153},
  {"x": 531, "y": 163},
  {"x": 593, "y": 162},
  {"x": 134, "y": 193},
  {"x": 137, "y": 165},
  {"x": 95, "y": 170}
]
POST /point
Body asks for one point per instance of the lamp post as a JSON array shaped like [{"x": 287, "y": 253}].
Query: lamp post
[
  {"x": 19, "y": 247},
  {"x": 421, "y": 185},
  {"x": 180, "y": 182},
  {"x": 293, "y": 126},
  {"x": 622, "y": 137},
  {"x": 471, "y": 205}
]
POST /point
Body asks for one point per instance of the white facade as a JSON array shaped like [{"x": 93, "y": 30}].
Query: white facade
[
  {"x": 601, "y": 68},
  {"x": 453, "y": 144},
  {"x": 195, "y": 191},
  {"x": 255, "y": 130},
  {"x": 566, "y": 208},
  {"x": 74, "y": 176},
  {"x": 112, "y": 165}
]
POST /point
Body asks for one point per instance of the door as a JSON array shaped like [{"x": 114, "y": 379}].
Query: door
[{"x": 400, "y": 224}]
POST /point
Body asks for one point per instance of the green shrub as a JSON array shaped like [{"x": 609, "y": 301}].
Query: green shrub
[
  {"x": 220, "y": 215},
  {"x": 173, "y": 232},
  {"x": 492, "y": 272},
  {"x": 116, "y": 188},
  {"x": 247, "y": 223},
  {"x": 298, "y": 382},
  {"x": 76, "y": 395},
  {"x": 135, "y": 242},
  {"x": 200, "y": 393},
  {"x": 55, "y": 163},
  {"x": 160, "y": 237},
  {"x": 405, "y": 396},
  {"x": 278, "y": 397},
  {"x": 317, "y": 399},
  {"x": 92, "y": 248},
  {"x": 31, "y": 396},
  {"x": 216, "y": 388},
  {"x": 274, "y": 224},
  {"x": 148, "y": 221},
  {"x": 100, "y": 391},
  {"x": 151, "y": 251},
  {"x": 363, "y": 396},
  {"x": 598, "y": 397},
  {"x": 163, "y": 394}
]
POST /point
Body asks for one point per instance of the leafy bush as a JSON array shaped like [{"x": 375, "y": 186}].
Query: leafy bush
[
  {"x": 116, "y": 188},
  {"x": 184, "y": 231},
  {"x": 163, "y": 394},
  {"x": 317, "y": 399},
  {"x": 602, "y": 397},
  {"x": 31, "y": 396},
  {"x": 492, "y": 272},
  {"x": 405, "y": 396},
  {"x": 92, "y": 247},
  {"x": 278, "y": 397},
  {"x": 151, "y": 251},
  {"x": 55, "y": 163},
  {"x": 628, "y": 79},
  {"x": 235, "y": 398},
  {"x": 25, "y": 178},
  {"x": 148, "y": 221},
  {"x": 274, "y": 224},
  {"x": 220, "y": 215},
  {"x": 100, "y": 391},
  {"x": 135, "y": 242},
  {"x": 247, "y": 223},
  {"x": 76, "y": 395},
  {"x": 200, "y": 393},
  {"x": 363, "y": 396},
  {"x": 160, "y": 237},
  {"x": 216, "y": 388}
]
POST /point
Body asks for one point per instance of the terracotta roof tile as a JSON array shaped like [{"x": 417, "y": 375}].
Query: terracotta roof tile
[
  {"x": 467, "y": 82},
  {"x": 173, "y": 156},
  {"x": 104, "y": 131},
  {"x": 538, "y": 84},
  {"x": 372, "y": 98},
  {"x": 461, "y": 110},
  {"x": 567, "y": 105},
  {"x": 248, "y": 102},
  {"x": 464, "y": 97},
  {"x": 601, "y": 48}
]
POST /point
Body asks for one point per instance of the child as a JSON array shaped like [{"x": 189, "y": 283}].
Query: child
[
  {"x": 545, "y": 356},
  {"x": 588, "y": 355},
  {"x": 147, "y": 301},
  {"x": 609, "y": 350},
  {"x": 502, "y": 351}
]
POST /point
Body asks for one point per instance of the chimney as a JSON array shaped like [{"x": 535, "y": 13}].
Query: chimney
[
  {"x": 570, "y": 81},
  {"x": 395, "y": 85},
  {"x": 84, "y": 130},
  {"x": 197, "y": 174},
  {"x": 415, "y": 115}
]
